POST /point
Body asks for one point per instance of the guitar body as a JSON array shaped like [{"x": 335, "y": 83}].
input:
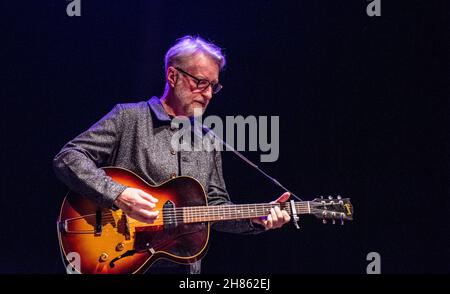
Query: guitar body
[{"x": 109, "y": 242}]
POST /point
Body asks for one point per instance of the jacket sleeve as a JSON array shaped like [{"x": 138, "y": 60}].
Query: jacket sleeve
[
  {"x": 78, "y": 164},
  {"x": 218, "y": 195}
]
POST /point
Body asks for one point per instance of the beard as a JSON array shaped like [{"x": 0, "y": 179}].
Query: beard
[{"x": 187, "y": 101}]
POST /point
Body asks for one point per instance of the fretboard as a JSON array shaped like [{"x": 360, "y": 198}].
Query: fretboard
[{"x": 195, "y": 214}]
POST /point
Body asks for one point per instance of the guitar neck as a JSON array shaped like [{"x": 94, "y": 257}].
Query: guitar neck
[{"x": 212, "y": 213}]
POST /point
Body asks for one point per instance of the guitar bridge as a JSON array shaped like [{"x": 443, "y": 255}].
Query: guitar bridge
[{"x": 126, "y": 225}]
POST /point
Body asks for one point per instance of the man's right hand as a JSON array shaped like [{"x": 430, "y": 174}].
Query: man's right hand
[{"x": 138, "y": 205}]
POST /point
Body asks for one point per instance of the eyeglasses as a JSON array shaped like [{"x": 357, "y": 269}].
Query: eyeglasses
[{"x": 203, "y": 84}]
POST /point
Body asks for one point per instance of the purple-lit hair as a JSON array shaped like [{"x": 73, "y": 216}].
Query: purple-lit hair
[{"x": 187, "y": 46}]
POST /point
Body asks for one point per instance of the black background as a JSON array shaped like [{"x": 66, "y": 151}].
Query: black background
[{"x": 363, "y": 113}]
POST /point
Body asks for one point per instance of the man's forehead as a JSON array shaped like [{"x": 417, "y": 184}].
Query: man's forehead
[{"x": 204, "y": 65}]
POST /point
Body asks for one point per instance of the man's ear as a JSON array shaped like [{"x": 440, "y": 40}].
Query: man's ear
[{"x": 172, "y": 76}]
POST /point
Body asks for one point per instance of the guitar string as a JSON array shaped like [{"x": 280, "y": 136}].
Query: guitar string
[
  {"x": 180, "y": 216},
  {"x": 199, "y": 212},
  {"x": 284, "y": 205},
  {"x": 192, "y": 218},
  {"x": 159, "y": 222},
  {"x": 187, "y": 219},
  {"x": 202, "y": 209},
  {"x": 220, "y": 211},
  {"x": 181, "y": 213}
]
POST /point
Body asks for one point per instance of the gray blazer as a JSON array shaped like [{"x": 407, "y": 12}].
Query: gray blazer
[{"x": 136, "y": 136}]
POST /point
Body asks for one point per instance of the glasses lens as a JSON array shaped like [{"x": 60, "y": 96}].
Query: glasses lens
[{"x": 203, "y": 84}]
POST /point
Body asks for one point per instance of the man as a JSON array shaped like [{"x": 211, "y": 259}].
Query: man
[{"x": 138, "y": 137}]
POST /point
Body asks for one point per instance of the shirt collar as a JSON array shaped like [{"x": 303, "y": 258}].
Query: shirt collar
[{"x": 158, "y": 109}]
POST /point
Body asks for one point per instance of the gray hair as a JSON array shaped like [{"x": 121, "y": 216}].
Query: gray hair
[{"x": 187, "y": 46}]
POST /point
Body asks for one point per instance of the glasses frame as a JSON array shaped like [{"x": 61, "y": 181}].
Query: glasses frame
[{"x": 216, "y": 87}]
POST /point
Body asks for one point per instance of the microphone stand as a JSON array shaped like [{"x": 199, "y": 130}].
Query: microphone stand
[{"x": 245, "y": 159}]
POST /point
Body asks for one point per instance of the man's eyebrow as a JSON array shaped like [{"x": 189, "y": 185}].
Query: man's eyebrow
[
  {"x": 202, "y": 76},
  {"x": 215, "y": 81}
]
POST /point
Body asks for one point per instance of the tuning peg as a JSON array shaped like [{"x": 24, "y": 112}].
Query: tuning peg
[
  {"x": 322, "y": 200},
  {"x": 330, "y": 197},
  {"x": 339, "y": 197},
  {"x": 324, "y": 221},
  {"x": 342, "y": 218},
  {"x": 342, "y": 222}
]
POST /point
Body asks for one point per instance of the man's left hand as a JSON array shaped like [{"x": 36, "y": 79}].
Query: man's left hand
[{"x": 277, "y": 217}]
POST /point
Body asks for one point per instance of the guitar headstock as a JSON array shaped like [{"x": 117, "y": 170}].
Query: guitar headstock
[{"x": 340, "y": 209}]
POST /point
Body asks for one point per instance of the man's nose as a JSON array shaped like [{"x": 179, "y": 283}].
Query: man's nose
[{"x": 208, "y": 92}]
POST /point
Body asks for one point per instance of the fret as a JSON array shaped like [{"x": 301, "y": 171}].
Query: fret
[{"x": 221, "y": 213}]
